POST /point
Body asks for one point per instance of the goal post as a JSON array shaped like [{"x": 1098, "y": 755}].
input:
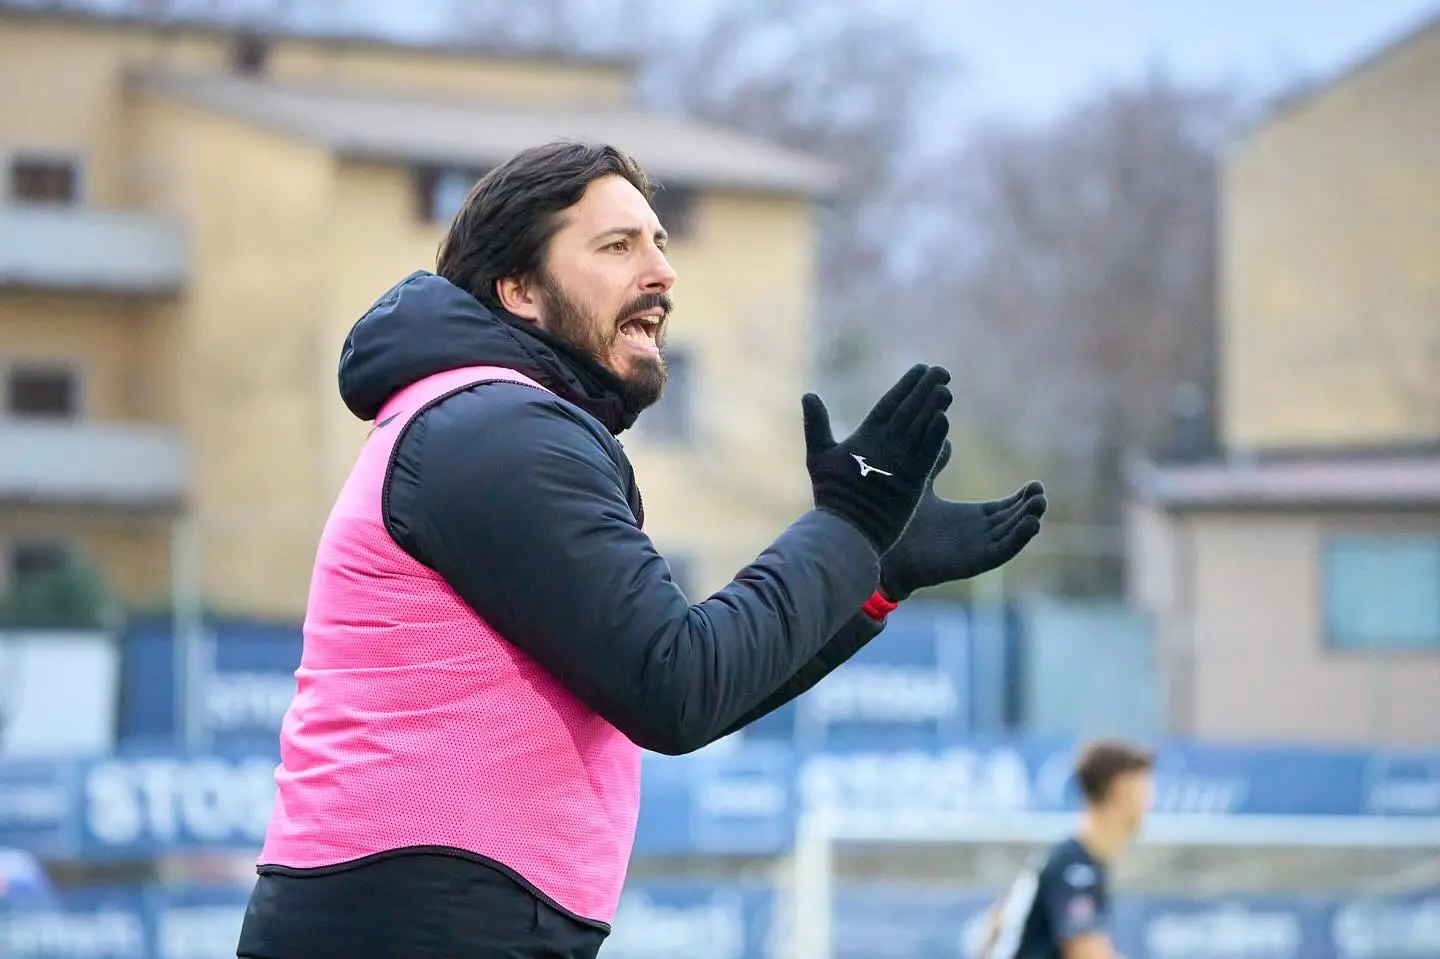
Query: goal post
[{"x": 1393, "y": 846}]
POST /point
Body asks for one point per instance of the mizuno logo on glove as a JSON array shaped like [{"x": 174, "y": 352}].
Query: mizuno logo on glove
[
  {"x": 904, "y": 430},
  {"x": 865, "y": 468}
]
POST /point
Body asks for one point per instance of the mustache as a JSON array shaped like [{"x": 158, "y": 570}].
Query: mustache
[{"x": 648, "y": 301}]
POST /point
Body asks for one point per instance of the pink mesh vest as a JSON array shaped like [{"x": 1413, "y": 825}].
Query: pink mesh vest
[{"x": 416, "y": 724}]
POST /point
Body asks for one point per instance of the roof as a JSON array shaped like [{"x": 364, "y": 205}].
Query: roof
[
  {"x": 213, "y": 24},
  {"x": 1395, "y": 480},
  {"x": 410, "y": 128},
  {"x": 1309, "y": 92}
]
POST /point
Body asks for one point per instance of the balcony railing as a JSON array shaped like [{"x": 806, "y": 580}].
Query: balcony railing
[
  {"x": 103, "y": 251},
  {"x": 130, "y": 465}
]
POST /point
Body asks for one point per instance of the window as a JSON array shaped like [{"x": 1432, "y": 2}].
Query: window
[
  {"x": 37, "y": 179},
  {"x": 1382, "y": 591},
  {"x": 41, "y": 391},
  {"x": 439, "y": 193},
  {"x": 675, "y": 208},
  {"x": 38, "y": 558},
  {"x": 671, "y": 418},
  {"x": 249, "y": 54}
]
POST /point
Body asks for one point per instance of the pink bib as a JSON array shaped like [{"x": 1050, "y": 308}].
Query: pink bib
[{"x": 416, "y": 724}]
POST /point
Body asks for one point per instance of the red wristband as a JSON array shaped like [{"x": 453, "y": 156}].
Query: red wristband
[{"x": 877, "y": 607}]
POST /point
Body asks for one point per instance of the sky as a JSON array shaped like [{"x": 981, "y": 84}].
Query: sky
[{"x": 1031, "y": 58}]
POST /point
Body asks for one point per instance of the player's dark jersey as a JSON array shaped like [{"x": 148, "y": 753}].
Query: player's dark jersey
[{"x": 1062, "y": 894}]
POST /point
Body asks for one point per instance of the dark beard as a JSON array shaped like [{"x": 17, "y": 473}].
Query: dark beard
[{"x": 567, "y": 320}]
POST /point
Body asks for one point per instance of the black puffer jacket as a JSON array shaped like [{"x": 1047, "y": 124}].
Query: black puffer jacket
[{"x": 525, "y": 503}]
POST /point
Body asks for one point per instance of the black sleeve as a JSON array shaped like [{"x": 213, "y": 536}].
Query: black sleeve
[
  {"x": 852, "y": 637},
  {"x": 1073, "y": 896},
  {"x": 512, "y": 496}
]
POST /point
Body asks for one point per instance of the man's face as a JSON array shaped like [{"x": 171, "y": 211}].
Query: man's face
[
  {"x": 605, "y": 287},
  {"x": 1129, "y": 799}
]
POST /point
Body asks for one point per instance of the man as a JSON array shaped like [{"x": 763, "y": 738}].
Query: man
[
  {"x": 491, "y": 638},
  {"x": 1058, "y": 908}
]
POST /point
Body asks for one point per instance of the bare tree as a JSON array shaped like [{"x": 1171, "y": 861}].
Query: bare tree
[
  {"x": 1076, "y": 282},
  {"x": 589, "y": 25},
  {"x": 847, "y": 84}
]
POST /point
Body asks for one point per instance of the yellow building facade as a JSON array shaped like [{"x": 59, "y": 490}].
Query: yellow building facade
[
  {"x": 1330, "y": 290},
  {"x": 191, "y": 220}
]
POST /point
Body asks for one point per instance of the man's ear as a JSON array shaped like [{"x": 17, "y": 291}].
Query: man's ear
[{"x": 518, "y": 295}]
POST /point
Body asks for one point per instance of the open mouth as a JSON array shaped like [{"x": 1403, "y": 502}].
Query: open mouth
[{"x": 642, "y": 329}]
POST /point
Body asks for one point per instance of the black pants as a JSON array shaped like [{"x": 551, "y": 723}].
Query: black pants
[{"x": 409, "y": 907}]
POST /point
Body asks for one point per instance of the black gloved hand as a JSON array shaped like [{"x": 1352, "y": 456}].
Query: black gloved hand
[
  {"x": 948, "y": 541},
  {"x": 874, "y": 478}
]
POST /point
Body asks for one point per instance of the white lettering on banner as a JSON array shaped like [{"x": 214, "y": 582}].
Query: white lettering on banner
[
  {"x": 98, "y": 934},
  {"x": 170, "y": 800},
  {"x": 993, "y": 779},
  {"x": 1414, "y": 796},
  {"x": 1230, "y": 932},
  {"x": 1397, "y": 930},
  {"x": 955, "y": 779},
  {"x": 32, "y": 804},
  {"x": 1053, "y": 777},
  {"x": 247, "y": 700},
  {"x": 198, "y": 932},
  {"x": 882, "y": 694},
  {"x": 644, "y": 929},
  {"x": 1177, "y": 791}
]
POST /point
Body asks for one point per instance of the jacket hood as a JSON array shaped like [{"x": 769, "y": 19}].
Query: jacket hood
[{"x": 426, "y": 325}]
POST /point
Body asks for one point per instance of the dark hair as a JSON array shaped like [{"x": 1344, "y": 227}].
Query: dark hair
[
  {"x": 1103, "y": 761},
  {"x": 510, "y": 215}
]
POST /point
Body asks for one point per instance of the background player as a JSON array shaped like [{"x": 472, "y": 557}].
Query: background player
[{"x": 1058, "y": 908}]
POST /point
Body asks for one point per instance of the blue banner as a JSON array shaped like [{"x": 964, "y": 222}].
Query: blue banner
[
  {"x": 81, "y": 924},
  {"x": 664, "y": 919},
  {"x": 733, "y": 799},
  {"x": 39, "y": 806},
  {"x": 1034, "y": 776},
  {"x": 1235, "y": 927},
  {"x": 139, "y": 806},
  {"x": 744, "y": 799},
  {"x": 938, "y": 673},
  {"x": 884, "y": 921},
  {"x": 1272, "y": 927},
  {"x": 728, "y": 802},
  {"x": 195, "y": 922},
  {"x": 688, "y": 920},
  {"x": 906, "y": 922},
  {"x": 124, "y": 923},
  {"x": 241, "y": 681}
]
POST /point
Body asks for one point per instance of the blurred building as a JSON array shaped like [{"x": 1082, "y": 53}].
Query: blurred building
[
  {"x": 192, "y": 217},
  {"x": 1296, "y": 580}
]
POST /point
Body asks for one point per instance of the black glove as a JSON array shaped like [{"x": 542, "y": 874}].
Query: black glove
[
  {"x": 946, "y": 541},
  {"x": 874, "y": 478}
]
